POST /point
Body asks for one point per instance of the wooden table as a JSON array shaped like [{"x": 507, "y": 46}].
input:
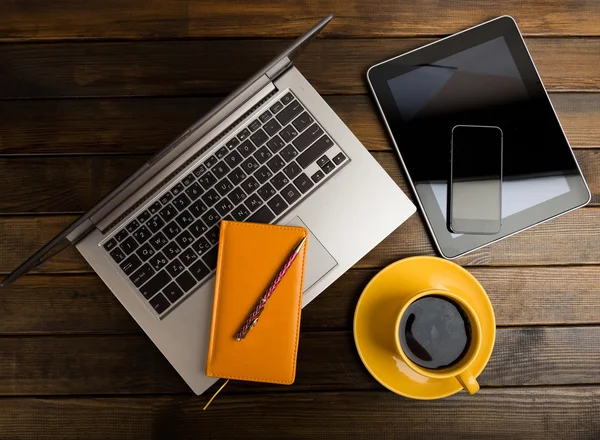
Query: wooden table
[{"x": 88, "y": 90}]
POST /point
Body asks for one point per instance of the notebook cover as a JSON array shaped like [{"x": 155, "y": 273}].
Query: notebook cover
[{"x": 250, "y": 256}]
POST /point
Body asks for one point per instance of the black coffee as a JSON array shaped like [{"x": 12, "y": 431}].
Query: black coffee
[{"x": 434, "y": 332}]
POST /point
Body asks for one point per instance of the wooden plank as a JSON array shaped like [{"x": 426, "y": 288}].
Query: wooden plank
[
  {"x": 218, "y": 66},
  {"x": 573, "y": 238},
  {"x": 129, "y": 126},
  {"x": 101, "y": 365},
  {"x": 74, "y": 184},
  {"x": 152, "y": 19},
  {"x": 540, "y": 413}
]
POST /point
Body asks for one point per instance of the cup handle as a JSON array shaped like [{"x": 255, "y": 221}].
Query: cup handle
[{"x": 468, "y": 382}]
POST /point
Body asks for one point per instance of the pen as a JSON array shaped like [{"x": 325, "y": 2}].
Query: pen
[{"x": 260, "y": 306}]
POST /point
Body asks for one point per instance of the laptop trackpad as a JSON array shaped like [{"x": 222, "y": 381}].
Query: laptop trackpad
[{"x": 318, "y": 260}]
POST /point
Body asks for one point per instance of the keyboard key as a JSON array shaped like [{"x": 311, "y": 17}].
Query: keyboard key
[
  {"x": 318, "y": 176},
  {"x": 290, "y": 112},
  {"x": 263, "y": 215},
  {"x": 188, "y": 256},
  {"x": 224, "y": 206},
  {"x": 118, "y": 255},
  {"x": 339, "y": 158},
  {"x": 263, "y": 174},
  {"x": 158, "y": 262},
  {"x": 211, "y": 218},
  {"x": 110, "y": 245},
  {"x": 237, "y": 196},
  {"x": 154, "y": 208},
  {"x": 265, "y": 116},
  {"x": 240, "y": 213},
  {"x": 279, "y": 181},
  {"x": 276, "y": 163},
  {"x": 168, "y": 213},
  {"x": 275, "y": 144},
  {"x": 188, "y": 180},
  {"x": 201, "y": 245},
  {"x": 232, "y": 143},
  {"x": 266, "y": 191},
  {"x": 254, "y": 125},
  {"x": 228, "y": 217},
  {"x": 158, "y": 241},
  {"x": 276, "y": 108},
  {"x": 172, "y": 230},
  {"x": 133, "y": 226},
  {"x": 129, "y": 245},
  {"x": 171, "y": 250},
  {"x": 142, "y": 234},
  {"x": 185, "y": 219},
  {"x": 302, "y": 121},
  {"x": 221, "y": 152},
  {"x": 131, "y": 264},
  {"x": 292, "y": 170},
  {"x": 184, "y": 239},
  {"x": 201, "y": 169},
  {"x": 154, "y": 224},
  {"x": 322, "y": 161},
  {"x": 250, "y": 185},
  {"x": 315, "y": 151},
  {"x": 145, "y": 252},
  {"x": 328, "y": 167},
  {"x": 303, "y": 183},
  {"x": 159, "y": 303},
  {"x": 250, "y": 165},
  {"x": 175, "y": 267},
  {"x": 144, "y": 216},
  {"x": 236, "y": 176},
  {"x": 213, "y": 235},
  {"x": 210, "y": 258},
  {"x": 173, "y": 292},
  {"x": 166, "y": 198},
  {"x": 224, "y": 186},
  {"x": 199, "y": 270},
  {"x": 198, "y": 208},
  {"x": 198, "y": 228},
  {"x": 194, "y": 191},
  {"x": 277, "y": 204},
  {"x": 186, "y": 281},
  {"x": 308, "y": 137},
  {"x": 253, "y": 203},
  {"x": 182, "y": 202},
  {"x": 287, "y": 98},
  {"x": 143, "y": 274},
  {"x": 176, "y": 190},
  {"x": 211, "y": 161},
  {"x": 155, "y": 284},
  {"x": 288, "y": 133},
  {"x": 121, "y": 235},
  {"x": 220, "y": 169},
  {"x": 242, "y": 135},
  {"x": 207, "y": 180},
  {"x": 234, "y": 159},
  {"x": 259, "y": 138},
  {"x": 211, "y": 197},
  {"x": 246, "y": 149},
  {"x": 290, "y": 193},
  {"x": 263, "y": 154},
  {"x": 289, "y": 152}
]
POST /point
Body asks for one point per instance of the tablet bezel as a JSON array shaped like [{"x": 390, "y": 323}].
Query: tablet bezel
[{"x": 448, "y": 245}]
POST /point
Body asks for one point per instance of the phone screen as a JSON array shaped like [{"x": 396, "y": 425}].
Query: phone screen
[{"x": 475, "y": 180}]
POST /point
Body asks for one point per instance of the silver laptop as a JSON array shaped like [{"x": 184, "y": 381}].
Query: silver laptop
[{"x": 272, "y": 152}]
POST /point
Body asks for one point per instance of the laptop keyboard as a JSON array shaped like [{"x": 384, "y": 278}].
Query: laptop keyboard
[{"x": 259, "y": 174}]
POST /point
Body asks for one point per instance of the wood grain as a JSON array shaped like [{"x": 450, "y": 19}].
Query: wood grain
[
  {"x": 541, "y": 413},
  {"x": 218, "y": 66},
  {"x": 152, "y": 19},
  {"x": 145, "y": 125}
]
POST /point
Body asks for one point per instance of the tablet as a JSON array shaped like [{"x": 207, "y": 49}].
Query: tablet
[{"x": 483, "y": 76}]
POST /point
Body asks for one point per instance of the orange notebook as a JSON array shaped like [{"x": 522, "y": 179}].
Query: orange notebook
[{"x": 250, "y": 256}]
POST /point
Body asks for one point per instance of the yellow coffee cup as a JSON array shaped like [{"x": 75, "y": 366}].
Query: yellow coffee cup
[{"x": 439, "y": 323}]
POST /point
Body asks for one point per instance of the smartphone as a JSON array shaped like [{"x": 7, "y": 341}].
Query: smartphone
[{"x": 475, "y": 190}]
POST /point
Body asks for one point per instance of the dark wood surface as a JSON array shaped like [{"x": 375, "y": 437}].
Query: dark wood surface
[{"x": 88, "y": 90}]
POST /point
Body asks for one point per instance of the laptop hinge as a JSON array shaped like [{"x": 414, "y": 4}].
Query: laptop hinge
[{"x": 278, "y": 69}]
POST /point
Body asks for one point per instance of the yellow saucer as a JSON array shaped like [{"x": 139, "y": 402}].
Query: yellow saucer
[{"x": 376, "y": 311}]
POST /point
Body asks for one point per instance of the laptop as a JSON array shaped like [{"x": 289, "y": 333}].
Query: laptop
[{"x": 272, "y": 152}]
